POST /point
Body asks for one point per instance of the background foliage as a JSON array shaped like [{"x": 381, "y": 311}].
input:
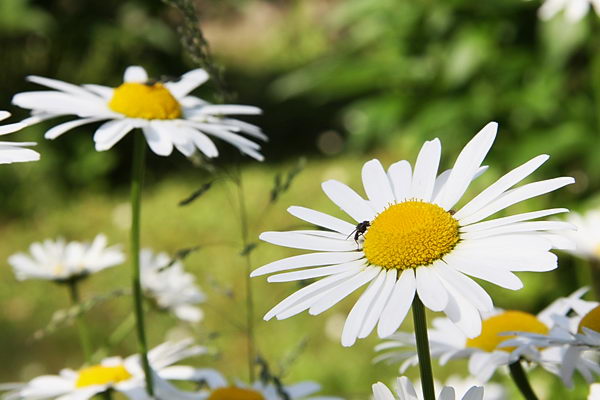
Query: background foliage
[{"x": 339, "y": 82}]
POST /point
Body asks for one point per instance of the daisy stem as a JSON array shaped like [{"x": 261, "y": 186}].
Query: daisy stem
[
  {"x": 136, "y": 205},
  {"x": 595, "y": 272},
  {"x": 520, "y": 377},
  {"x": 420, "y": 323},
  {"x": 84, "y": 336},
  {"x": 249, "y": 295}
]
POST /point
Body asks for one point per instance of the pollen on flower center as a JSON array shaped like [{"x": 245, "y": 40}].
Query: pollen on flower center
[
  {"x": 409, "y": 235},
  {"x": 235, "y": 393},
  {"x": 506, "y": 321},
  {"x": 139, "y": 100},
  {"x": 591, "y": 320},
  {"x": 101, "y": 375}
]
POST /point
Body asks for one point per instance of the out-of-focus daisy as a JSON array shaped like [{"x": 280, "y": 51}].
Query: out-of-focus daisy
[
  {"x": 114, "y": 373},
  {"x": 484, "y": 352},
  {"x": 406, "y": 391},
  {"x": 411, "y": 241},
  {"x": 218, "y": 388},
  {"x": 61, "y": 261},
  {"x": 573, "y": 343},
  {"x": 11, "y": 152},
  {"x": 493, "y": 391},
  {"x": 587, "y": 236},
  {"x": 171, "y": 288},
  {"x": 166, "y": 113},
  {"x": 574, "y": 10}
]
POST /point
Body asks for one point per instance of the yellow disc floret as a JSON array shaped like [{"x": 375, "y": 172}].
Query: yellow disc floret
[
  {"x": 409, "y": 235},
  {"x": 140, "y": 100},
  {"x": 507, "y": 321},
  {"x": 101, "y": 375},
  {"x": 590, "y": 320},
  {"x": 235, "y": 393}
]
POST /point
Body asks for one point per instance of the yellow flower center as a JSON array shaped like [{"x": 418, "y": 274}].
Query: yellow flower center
[
  {"x": 101, "y": 375},
  {"x": 235, "y": 393},
  {"x": 506, "y": 321},
  {"x": 140, "y": 100},
  {"x": 590, "y": 320},
  {"x": 409, "y": 235}
]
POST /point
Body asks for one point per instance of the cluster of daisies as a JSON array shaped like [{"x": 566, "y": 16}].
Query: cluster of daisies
[{"x": 414, "y": 238}]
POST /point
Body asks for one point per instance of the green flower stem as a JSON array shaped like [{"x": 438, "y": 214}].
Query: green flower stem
[
  {"x": 136, "y": 205},
  {"x": 520, "y": 377},
  {"x": 84, "y": 335},
  {"x": 107, "y": 395},
  {"x": 251, "y": 348},
  {"x": 595, "y": 272},
  {"x": 423, "y": 348}
]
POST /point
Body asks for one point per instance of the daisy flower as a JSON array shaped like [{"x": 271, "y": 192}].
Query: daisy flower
[
  {"x": 11, "y": 152},
  {"x": 169, "y": 286},
  {"x": 484, "y": 352},
  {"x": 165, "y": 112},
  {"x": 57, "y": 260},
  {"x": 406, "y": 391},
  {"x": 217, "y": 387},
  {"x": 587, "y": 236},
  {"x": 574, "y": 10},
  {"x": 114, "y": 373},
  {"x": 411, "y": 241},
  {"x": 572, "y": 343}
]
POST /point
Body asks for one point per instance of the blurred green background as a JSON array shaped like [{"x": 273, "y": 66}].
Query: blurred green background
[{"x": 340, "y": 82}]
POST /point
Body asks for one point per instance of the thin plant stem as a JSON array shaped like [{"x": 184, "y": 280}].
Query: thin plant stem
[
  {"x": 107, "y": 395},
  {"x": 84, "y": 335},
  {"x": 595, "y": 272},
  {"x": 251, "y": 348},
  {"x": 520, "y": 377},
  {"x": 423, "y": 348},
  {"x": 137, "y": 179}
]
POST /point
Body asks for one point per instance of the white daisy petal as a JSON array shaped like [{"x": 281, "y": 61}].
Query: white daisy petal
[
  {"x": 62, "y": 86},
  {"x": 135, "y": 74},
  {"x": 519, "y": 227},
  {"x": 58, "y": 130},
  {"x": 110, "y": 133},
  {"x": 160, "y": 143},
  {"x": 466, "y": 286},
  {"x": 430, "y": 289},
  {"x": 307, "y": 242},
  {"x": 478, "y": 269},
  {"x": 378, "y": 304},
  {"x": 343, "y": 290},
  {"x": 381, "y": 392},
  {"x": 500, "y": 186},
  {"x": 466, "y": 166},
  {"x": 321, "y": 219},
  {"x": 377, "y": 185},
  {"x": 228, "y": 109},
  {"x": 480, "y": 226},
  {"x": 317, "y": 272},
  {"x": 188, "y": 82},
  {"x": 400, "y": 175},
  {"x": 307, "y": 260},
  {"x": 358, "y": 313},
  {"x": 398, "y": 304},
  {"x": 426, "y": 167},
  {"x": 347, "y": 199}
]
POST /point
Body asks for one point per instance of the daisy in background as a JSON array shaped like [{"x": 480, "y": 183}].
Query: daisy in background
[
  {"x": 406, "y": 391},
  {"x": 11, "y": 152},
  {"x": 165, "y": 112},
  {"x": 587, "y": 236},
  {"x": 61, "y": 261},
  {"x": 169, "y": 286},
  {"x": 124, "y": 375},
  {"x": 574, "y": 10},
  {"x": 484, "y": 352},
  {"x": 217, "y": 387},
  {"x": 573, "y": 342},
  {"x": 407, "y": 239}
]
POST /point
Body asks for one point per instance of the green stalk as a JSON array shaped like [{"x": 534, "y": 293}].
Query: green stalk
[
  {"x": 520, "y": 377},
  {"x": 251, "y": 348},
  {"x": 423, "y": 348},
  {"x": 84, "y": 336},
  {"x": 595, "y": 272},
  {"x": 136, "y": 205}
]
